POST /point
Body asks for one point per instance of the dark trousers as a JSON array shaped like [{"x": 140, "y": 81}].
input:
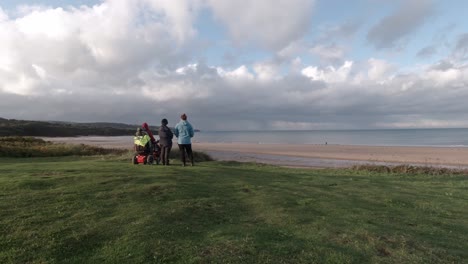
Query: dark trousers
[
  {"x": 183, "y": 149},
  {"x": 165, "y": 151}
]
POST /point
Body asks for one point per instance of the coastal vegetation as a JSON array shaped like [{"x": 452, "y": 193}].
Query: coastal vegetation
[
  {"x": 36, "y": 147},
  {"x": 103, "y": 209},
  {"x": 410, "y": 169},
  {"x": 21, "y": 147}
]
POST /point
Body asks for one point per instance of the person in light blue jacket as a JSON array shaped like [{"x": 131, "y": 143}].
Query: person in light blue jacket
[{"x": 184, "y": 133}]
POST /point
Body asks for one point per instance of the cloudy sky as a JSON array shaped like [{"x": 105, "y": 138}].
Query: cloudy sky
[{"x": 237, "y": 65}]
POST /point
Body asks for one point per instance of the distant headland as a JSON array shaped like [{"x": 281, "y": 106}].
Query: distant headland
[{"x": 14, "y": 127}]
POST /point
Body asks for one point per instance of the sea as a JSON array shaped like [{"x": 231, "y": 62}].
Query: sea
[{"x": 440, "y": 137}]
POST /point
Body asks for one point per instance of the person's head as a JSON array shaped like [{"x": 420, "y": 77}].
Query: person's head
[
  {"x": 139, "y": 132},
  {"x": 164, "y": 122},
  {"x": 183, "y": 117}
]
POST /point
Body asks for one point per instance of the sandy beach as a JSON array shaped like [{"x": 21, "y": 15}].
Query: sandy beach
[
  {"x": 309, "y": 155},
  {"x": 344, "y": 155}
]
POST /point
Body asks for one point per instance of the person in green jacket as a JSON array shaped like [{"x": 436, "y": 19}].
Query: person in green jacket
[{"x": 142, "y": 141}]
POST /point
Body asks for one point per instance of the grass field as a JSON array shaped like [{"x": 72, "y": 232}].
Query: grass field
[{"x": 105, "y": 210}]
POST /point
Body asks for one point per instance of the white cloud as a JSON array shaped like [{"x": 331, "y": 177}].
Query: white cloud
[
  {"x": 178, "y": 15},
  {"x": 54, "y": 24},
  {"x": 41, "y": 73},
  {"x": 266, "y": 71},
  {"x": 241, "y": 73},
  {"x": 420, "y": 121},
  {"x": 378, "y": 69},
  {"x": 329, "y": 74},
  {"x": 444, "y": 77},
  {"x": 270, "y": 24},
  {"x": 187, "y": 69},
  {"x": 98, "y": 47},
  {"x": 329, "y": 53},
  {"x": 3, "y": 15},
  {"x": 296, "y": 66},
  {"x": 21, "y": 84}
]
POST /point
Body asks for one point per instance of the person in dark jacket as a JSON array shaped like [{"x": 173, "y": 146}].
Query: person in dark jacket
[{"x": 165, "y": 140}]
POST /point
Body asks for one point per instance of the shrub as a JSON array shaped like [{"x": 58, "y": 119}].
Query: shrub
[
  {"x": 197, "y": 156},
  {"x": 36, "y": 147}
]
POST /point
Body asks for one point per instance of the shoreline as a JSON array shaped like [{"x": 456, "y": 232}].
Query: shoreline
[{"x": 308, "y": 155}]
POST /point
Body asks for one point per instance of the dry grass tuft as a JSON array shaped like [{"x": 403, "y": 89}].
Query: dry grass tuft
[{"x": 409, "y": 169}]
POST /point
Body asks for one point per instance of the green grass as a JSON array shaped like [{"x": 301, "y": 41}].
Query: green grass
[{"x": 105, "y": 210}]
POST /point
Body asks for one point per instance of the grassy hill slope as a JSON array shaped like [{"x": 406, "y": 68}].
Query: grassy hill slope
[{"x": 105, "y": 210}]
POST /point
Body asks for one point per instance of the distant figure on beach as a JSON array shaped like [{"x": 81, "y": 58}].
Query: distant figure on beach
[
  {"x": 184, "y": 133},
  {"x": 165, "y": 140}
]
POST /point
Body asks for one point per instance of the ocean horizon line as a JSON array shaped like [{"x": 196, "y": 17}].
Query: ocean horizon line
[{"x": 325, "y": 130}]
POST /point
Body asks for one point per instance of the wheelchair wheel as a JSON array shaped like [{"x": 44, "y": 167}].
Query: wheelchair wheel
[{"x": 150, "y": 160}]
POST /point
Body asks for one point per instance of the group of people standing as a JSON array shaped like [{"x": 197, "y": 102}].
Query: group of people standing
[{"x": 184, "y": 133}]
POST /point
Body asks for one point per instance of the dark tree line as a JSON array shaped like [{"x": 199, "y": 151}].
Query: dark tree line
[{"x": 12, "y": 127}]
